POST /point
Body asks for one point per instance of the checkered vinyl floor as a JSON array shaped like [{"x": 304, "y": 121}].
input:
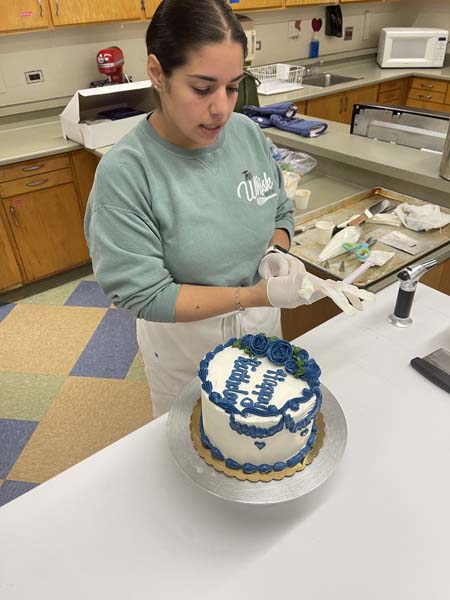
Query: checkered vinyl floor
[{"x": 72, "y": 381}]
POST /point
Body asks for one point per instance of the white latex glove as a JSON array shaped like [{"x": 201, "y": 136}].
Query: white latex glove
[
  {"x": 276, "y": 264},
  {"x": 347, "y": 297},
  {"x": 283, "y": 291}
]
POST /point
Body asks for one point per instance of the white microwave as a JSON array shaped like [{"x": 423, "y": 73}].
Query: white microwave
[{"x": 402, "y": 47}]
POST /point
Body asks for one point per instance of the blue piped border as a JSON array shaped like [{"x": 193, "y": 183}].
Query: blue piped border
[{"x": 263, "y": 468}]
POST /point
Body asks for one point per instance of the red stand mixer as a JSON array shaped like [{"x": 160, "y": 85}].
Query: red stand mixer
[{"x": 110, "y": 62}]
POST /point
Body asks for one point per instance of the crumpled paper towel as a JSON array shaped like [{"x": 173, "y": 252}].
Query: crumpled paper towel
[
  {"x": 386, "y": 219},
  {"x": 422, "y": 218}
]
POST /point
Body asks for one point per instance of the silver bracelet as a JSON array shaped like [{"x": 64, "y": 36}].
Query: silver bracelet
[{"x": 237, "y": 302}]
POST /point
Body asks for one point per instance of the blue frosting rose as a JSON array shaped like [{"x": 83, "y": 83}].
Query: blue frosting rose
[
  {"x": 279, "y": 352},
  {"x": 303, "y": 355},
  {"x": 246, "y": 340},
  {"x": 312, "y": 370},
  {"x": 291, "y": 366},
  {"x": 259, "y": 344}
]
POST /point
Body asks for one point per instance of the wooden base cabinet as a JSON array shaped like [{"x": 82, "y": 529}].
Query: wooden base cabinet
[
  {"x": 42, "y": 230},
  {"x": 339, "y": 107},
  {"x": 439, "y": 278},
  {"x": 84, "y": 164},
  {"x": 10, "y": 275},
  {"x": 47, "y": 229}
]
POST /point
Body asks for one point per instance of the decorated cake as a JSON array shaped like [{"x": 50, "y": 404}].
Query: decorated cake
[{"x": 260, "y": 397}]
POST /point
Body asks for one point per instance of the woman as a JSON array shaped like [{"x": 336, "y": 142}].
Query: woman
[{"x": 184, "y": 207}]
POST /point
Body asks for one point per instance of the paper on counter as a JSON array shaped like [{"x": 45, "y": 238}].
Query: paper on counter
[{"x": 404, "y": 242}]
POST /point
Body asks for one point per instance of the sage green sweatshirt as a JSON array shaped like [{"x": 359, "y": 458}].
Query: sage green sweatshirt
[{"x": 159, "y": 216}]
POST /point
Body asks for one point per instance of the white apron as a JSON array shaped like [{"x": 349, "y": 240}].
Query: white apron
[{"x": 172, "y": 351}]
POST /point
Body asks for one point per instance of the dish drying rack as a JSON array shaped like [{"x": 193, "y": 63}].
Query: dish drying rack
[{"x": 278, "y": 78}]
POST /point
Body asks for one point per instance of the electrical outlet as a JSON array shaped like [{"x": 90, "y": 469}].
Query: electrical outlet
[
  {"x": 258, "y": 45},
  {"x": 348, "y": 34},
  {"x": 34, "y": 76}
]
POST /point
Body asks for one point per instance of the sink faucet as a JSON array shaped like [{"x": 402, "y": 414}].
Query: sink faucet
[
  {"x": 311, "y": 69},
  {"x": 409, "y": 276}
]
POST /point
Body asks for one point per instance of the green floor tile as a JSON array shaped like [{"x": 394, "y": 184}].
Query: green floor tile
[
  {"x": 56, "y": 296},
  {"x": 27, "y": 396},
  {"x": 137, "y": 369}
]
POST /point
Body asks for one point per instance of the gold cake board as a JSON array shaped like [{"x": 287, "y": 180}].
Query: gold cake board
[{"x": 220, "y": 466}]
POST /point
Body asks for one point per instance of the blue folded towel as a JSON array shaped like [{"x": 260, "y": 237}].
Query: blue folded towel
[
  {"x": 284, "y": 109},
  {"x": 302, "y": 127},
  {"x": 263, "y": 122}
]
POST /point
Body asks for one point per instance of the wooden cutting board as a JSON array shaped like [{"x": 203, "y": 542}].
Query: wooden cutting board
[{"x": 306, "y": 247}]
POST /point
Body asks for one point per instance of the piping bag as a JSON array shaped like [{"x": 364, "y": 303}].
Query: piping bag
[
  {"x": 349, "y": 235},
  {"x": 377, "y": 258}
]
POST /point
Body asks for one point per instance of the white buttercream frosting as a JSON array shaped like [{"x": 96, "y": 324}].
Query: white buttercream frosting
[{"x": 242, "y": 448}]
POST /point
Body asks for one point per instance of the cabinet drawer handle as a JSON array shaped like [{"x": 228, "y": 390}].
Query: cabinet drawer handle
[
  {"x": 14, "y": 216},
  {"x": 341, "y": 102},
  {"x": 428, "y": 97},
  {"x": 33, "y": 167},
  {"x": 57, "y": 7},
  {"x": 40, "y": 9},
  {"x": 427, "y": 86},
  {"x": 35, "y": 183},
  {"x": 143, "y": 5}
]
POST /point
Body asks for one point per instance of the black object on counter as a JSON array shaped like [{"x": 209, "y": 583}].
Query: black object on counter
[
  {"x": 435, "y": 367},
  {"x": 333, "y": 21}
]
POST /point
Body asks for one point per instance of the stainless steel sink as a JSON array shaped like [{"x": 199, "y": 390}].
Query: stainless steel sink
[{"x": 327, "y": 79}]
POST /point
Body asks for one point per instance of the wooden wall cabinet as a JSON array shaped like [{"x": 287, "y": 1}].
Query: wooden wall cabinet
[
  {"x": 339, "y": 107},
  {"x": 256, "y": 4},
  {"x": 149, "y": 7},
  {"x": 24, "y": 15},
  {"x": 76, "y": 12},
  {"x": 42, "y": 211}
]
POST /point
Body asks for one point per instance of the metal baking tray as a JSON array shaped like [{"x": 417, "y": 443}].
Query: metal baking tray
[{"x": 308, "y": 249}]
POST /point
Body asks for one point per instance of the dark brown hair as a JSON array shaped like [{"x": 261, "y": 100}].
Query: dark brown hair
[{"x": 179, "y": 26}]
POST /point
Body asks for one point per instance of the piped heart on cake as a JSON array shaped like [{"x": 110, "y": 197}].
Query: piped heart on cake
[{"x": 260, "y": 445}]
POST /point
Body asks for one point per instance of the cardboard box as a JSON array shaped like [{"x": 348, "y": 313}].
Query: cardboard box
[{"x": 80, "y": 120}]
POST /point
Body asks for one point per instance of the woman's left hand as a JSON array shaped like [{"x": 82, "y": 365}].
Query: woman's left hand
[{"x": 277, "y": 264}]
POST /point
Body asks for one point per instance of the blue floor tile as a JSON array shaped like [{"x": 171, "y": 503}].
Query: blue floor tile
[
  {"x": 13, "y": 489},
  {"x": 14, "y": 434},
  {"x": 5, "y": 309},
  {"x": 111, "y": 349},
  {"x": 88, "y": 293}
]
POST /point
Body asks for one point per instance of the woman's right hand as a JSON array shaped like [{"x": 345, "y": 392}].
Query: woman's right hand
[{"x": 284, "y": 291}]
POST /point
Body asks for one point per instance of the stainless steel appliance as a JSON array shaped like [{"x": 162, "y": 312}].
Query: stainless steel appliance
[
  {"x": 444, "y": 169},
  {"x": 400, "y": 47},
  {"x": 412, "y": 127}
]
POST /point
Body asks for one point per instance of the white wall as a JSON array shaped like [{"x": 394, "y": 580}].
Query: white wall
[
  {"x": 67, "y": 56},
  {"x": 430, "y": 14},
  {"x": 366, "y": 19}
]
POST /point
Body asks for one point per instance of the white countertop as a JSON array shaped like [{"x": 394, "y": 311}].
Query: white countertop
[{"x": 126, "y": 523}]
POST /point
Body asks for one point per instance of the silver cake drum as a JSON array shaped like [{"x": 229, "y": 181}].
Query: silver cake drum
[{"x": 230, "y": 488}]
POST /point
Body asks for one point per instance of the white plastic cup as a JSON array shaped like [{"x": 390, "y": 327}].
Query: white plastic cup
[
  {"x": 290, "y": 183},
  {"x": 302, "y": 196},
  {"x": 324, "y": 230}
]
